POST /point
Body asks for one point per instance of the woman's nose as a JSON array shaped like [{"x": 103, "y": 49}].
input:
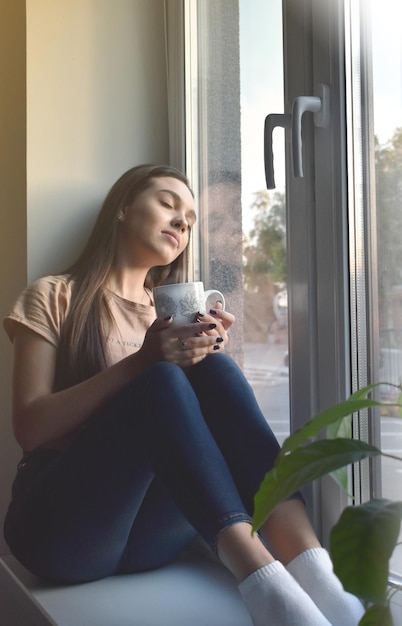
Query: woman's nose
[{"x": 180, "y": 221}]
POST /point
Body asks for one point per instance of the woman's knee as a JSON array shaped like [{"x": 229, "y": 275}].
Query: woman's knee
[
  {"x": 165, "y": 368},
  {"x": 218, "y": 371},
  {"x": 156, "y": 379},
  {"x": 163, "y": 378}
]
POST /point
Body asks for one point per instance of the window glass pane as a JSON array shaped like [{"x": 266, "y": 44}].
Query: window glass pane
[
  {"x": 264, "y": 212},
  {"x": 242, "y": 226},
  {"x": 387, "y": 105}
]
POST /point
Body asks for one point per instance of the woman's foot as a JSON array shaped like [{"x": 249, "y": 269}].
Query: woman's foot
[
  {"x": 314, "y": 572},
  {"x": 274, "y": 598}
]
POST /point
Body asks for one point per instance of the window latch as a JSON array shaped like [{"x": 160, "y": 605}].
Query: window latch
[{"x": 319, "y": 106}]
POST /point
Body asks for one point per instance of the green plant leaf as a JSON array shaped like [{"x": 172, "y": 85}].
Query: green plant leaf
[
  {"x": 340, "y": 428},
  {"x": 337, "y": 418},
  {"x": 364, "y": 391},
  {"x": 361, "y": 544},
  {"x": 303, "y": 465},
  {"x": 333, "y": 415},
  {"x": 376, "y": 615},
  {"x": 340, "y": 476}
]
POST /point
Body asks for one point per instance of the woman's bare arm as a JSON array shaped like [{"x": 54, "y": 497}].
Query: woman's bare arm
[{"x": 41, "y": 416}]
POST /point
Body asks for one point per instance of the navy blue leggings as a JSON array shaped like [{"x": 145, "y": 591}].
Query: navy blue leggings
[{"x": 172, "y": 455}]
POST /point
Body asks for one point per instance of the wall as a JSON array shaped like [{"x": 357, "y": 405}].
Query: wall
[
  {"x": 95, "y": 105},
  {"x": 96, "y": 92},
  {"x": 13, "y": 231}
]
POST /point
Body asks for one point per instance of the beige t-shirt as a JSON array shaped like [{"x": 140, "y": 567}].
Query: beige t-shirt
[{"x": 43, "y": 307}]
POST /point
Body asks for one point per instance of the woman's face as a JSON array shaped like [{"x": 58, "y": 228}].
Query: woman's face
[{"x": 155, "y": 228}]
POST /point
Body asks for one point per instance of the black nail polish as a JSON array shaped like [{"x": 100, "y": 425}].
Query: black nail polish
[
  {"x": 211, "y": 326},
  {"x": 219, "y": 340},
  {"x": 199, "y": 314},
  {"x": 216, "y": 347},
  {"x": 213, "y": 311}
]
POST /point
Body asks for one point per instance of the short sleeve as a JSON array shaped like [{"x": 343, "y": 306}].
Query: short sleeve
[{"x": 42, "y": 307}]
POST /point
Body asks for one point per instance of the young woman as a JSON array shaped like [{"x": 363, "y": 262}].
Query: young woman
[{"x": 137, "y": 435}]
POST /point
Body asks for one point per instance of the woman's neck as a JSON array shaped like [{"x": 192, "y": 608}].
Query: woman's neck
[{"x": 129, "y": 284}]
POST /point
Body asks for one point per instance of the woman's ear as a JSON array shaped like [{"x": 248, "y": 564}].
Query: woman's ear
[{"x": 122, "y": 214}]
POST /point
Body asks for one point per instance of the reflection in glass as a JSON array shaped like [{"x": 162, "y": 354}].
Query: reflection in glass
[{"x": 239, "y": 80}]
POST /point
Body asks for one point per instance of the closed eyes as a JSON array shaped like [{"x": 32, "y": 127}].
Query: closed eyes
[
  {"x": 166, "y": 204},
  {"x": 190, "y": 216}
]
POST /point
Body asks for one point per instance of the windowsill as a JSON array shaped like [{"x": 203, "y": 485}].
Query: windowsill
[{"x": 195, "y": 590}]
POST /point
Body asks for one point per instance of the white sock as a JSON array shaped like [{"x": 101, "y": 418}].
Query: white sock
[
  {"x": 313, "y": 570},
  {"x": 274, "y": 598}
]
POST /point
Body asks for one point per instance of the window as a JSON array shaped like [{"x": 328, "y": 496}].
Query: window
[
  {"x": 232, "y": 48},
  {"x": 312, "y": 269},
  {"x": 377, "y": 76}
]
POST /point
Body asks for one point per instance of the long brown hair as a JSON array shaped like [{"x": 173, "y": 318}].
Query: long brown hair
[{"x": 81, "y": 350}]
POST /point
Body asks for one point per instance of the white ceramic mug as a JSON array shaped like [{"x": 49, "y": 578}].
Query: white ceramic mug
[{"x": 184, "y": 301}]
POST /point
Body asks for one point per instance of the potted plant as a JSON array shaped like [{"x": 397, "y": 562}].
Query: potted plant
[{"x": 363, "y": 539}]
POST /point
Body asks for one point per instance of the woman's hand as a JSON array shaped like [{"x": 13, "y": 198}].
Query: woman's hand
[
  {"x": 188, "y": 344},
  {"x": 223, "y": 320}
]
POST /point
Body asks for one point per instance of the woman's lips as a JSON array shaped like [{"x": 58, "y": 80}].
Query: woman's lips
[{"x": 173, "y": 237}]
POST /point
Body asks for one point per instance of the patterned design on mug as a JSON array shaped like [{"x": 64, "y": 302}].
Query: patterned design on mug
[
  {"x": 190, "y": 305},
  {"x": 166, "y": 306}
]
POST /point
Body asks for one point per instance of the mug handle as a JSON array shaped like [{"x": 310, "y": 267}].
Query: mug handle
[{"x": 214, "y": 294}]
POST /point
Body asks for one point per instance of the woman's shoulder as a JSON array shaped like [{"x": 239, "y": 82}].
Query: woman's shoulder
[
  {"x": 52, "y": 291},
  {"x": 42, "y": 306},
  {"x": 51, "y": 283}
]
